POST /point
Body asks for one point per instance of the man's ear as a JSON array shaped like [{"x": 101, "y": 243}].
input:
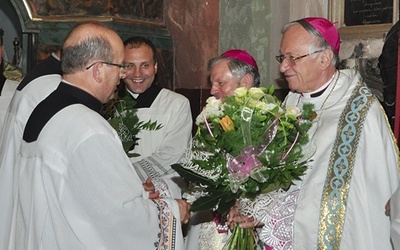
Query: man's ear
[
  {"x": 155, "y": 68},
  {"x": 325, "y": 58},
  {"x": 98, "y": 71},
  {"x": 246, "y": 81}
]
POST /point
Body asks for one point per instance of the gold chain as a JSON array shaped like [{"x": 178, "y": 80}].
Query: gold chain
[
  {"x": 330, "y": 92},
  {"x": 321, "y": 108}
]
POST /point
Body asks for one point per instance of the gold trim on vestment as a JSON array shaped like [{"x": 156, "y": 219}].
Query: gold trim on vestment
[
  {"x": 12, "y": 72},
  {"x": 340, "y": 169}
]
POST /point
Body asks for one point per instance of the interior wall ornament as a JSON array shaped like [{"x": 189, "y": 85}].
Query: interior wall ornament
[
  {"x": 144, "y": 12},
  {"x": 363, "y": 19},
  {"x": 46, "y": 23}
]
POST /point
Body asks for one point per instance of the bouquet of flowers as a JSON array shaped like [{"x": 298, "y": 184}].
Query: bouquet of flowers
[
  {"x": 245, "y": 145},
  {"x": 121, "y": 114}
]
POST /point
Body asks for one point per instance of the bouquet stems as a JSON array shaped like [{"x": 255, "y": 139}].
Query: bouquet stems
[{"x": 241, "y": 239}]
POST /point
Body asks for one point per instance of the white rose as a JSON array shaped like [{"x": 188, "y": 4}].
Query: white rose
[
  {"x": 260, "y": 105},
  {"x": 256, "y": 93},
  {"x": 293, "y": 110},
  {"x": 200, "y": 118},
  {"x": 213, "y": 102},
  {"x": 240, "y": 92}
]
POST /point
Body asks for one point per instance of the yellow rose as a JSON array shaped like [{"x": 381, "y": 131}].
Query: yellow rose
[{"x": 227, "y": 123}]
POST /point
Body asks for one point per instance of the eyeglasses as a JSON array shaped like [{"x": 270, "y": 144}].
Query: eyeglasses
[
  {"x": 121, "y": 66},
  {"x": 292, "y": 60}
]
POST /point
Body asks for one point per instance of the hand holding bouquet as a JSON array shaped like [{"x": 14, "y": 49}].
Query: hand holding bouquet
[{"x": 245, "y": 145}]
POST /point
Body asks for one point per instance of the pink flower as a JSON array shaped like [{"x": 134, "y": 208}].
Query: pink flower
[{"x": 241, "y": 166}]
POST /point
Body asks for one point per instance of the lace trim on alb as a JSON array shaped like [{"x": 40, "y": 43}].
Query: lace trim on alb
[
  {"x": 276, "y": 211},
  {"x": 189, "y": 155}
]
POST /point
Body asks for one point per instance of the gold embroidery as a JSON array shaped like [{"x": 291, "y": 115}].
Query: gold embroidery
[
  {"x": 12, "y": 72},
  {"x": 341, "y": 163}
]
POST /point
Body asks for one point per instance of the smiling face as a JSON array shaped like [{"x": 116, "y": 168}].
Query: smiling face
[
  {"x": 305, "y": 75},
  {"x": 141, "y": 69}
]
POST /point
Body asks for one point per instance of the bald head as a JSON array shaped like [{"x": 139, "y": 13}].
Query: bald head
[
  {"x": 91, "y": 59},
  {"x": 88, "y": 42}
]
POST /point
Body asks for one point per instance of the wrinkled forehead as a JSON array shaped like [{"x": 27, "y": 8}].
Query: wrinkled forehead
[
  {"x": 296, "y": 40},
  {"x": 220, "y": 72},
  {"x": 221, "y": 66}
]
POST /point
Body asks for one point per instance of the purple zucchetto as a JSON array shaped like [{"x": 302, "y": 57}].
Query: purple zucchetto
[
  {"x": 327, "y": 30},
  {"x": 242, "y": 56}
]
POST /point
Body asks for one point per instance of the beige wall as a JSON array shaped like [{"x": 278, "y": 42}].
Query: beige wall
[
  {"x": 247, "y": 25},
  {"x": 255, "y": 26}
]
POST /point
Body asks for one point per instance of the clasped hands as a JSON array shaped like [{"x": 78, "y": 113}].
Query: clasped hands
[
  {"x": 184, "y": 207},
  {"x": 242, "y": 221}
]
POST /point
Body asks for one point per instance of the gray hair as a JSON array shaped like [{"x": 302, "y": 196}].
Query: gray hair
[
  {"x": 76, "y": 57},
  {"x": 319, "y": 40},
  {"x": 238, "y": 68}
]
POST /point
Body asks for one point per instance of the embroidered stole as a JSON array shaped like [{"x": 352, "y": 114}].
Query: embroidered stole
[
  {"x": 12, "y": 72},
  {"x": 168, "y": 227},
  {"x": 340, "y": 169}
]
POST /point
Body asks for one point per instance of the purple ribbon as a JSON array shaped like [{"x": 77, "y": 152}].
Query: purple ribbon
[
  {"x": 241, "y": 166},
  {"x": 206, "y": 122}
]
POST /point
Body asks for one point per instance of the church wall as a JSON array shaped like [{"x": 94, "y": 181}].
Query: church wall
[{"x": 188, "y": 34}]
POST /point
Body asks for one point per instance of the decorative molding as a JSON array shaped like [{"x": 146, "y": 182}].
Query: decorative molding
[
  {"x": 336, "y": 14},
  {"x": 140, "y": 13}
]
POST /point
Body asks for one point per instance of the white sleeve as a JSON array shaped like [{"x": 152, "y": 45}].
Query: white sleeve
[{"x": 102, "y": 198}]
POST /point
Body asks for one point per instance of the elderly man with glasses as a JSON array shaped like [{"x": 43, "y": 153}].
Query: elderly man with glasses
[
  {"x": 73, "y": 186},
  {"x": 353, "y": 158}
]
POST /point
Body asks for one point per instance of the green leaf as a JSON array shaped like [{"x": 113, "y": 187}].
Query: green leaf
[
  {"x": 189, "y": 175},
  {"x": 206, "y": 202},
  {"x": 271, "y": 89},
  {"x": 121, "y": 114},
  {"x": 279, "y": 161},
  {"x": 226, "y": 202}
]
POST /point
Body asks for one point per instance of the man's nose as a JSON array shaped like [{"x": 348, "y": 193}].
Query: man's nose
[
  {"x": 214, "y": 89},
  {"x": 122, "y": 74},
  {"x": 136, "y": 71},
  {"x": 284, "y": 66}
]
